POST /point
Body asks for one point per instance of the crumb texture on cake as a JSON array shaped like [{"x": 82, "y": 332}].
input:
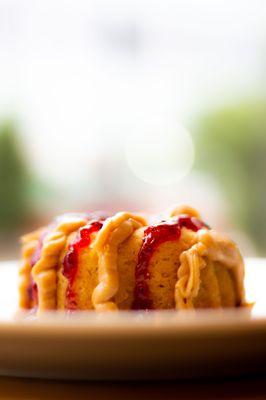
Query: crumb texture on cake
[{"x": 120, "y": 262}]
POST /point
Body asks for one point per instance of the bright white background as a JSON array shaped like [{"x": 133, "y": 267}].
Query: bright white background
[{"x": 88, "y": 80}]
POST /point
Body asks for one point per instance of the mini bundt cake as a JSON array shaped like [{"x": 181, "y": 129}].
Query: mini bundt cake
[{"x": 120, "y": 262}]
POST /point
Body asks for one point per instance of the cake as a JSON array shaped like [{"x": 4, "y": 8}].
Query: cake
[{"x": 121, "y": 262}]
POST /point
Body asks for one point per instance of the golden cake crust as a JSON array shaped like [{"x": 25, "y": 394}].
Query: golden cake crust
[{"x": 197, "y": 269}]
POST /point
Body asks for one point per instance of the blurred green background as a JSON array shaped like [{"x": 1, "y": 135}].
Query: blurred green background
[
  {"x": 15, "y": 180},
  {"x": 231, "y": 146}
]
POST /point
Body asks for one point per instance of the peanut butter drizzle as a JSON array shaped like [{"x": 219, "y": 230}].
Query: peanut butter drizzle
[
  {"x": 114, "y": 232},
  {"x": 29, "y": 243},
  {"x": 205, "y": 245},
  {"x": 210, "y": 246}
]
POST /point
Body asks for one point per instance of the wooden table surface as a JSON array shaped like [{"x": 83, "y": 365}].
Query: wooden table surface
[{"x": 245, "y": 388}]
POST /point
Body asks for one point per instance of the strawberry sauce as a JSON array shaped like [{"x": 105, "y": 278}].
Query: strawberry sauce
[
  {"x": 70, "y": 262},
  {"x": 33, "y": 289},
  {"x": 154, "y": 236}
]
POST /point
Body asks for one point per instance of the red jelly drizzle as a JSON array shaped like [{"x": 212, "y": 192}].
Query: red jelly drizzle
[
  {"x": 70, "y": 262},
  {"x": 33, "y": 292},
  {"x": 154, "y": 236}
]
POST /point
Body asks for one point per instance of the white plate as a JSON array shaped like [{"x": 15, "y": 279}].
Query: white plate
[{"x": 133, "y": 345}]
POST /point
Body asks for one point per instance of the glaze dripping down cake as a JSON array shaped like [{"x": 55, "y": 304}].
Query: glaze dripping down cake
[{"x": 120, "y": 262}]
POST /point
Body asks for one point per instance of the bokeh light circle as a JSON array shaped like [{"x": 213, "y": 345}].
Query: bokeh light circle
[{"x": 160, "y": 152}]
